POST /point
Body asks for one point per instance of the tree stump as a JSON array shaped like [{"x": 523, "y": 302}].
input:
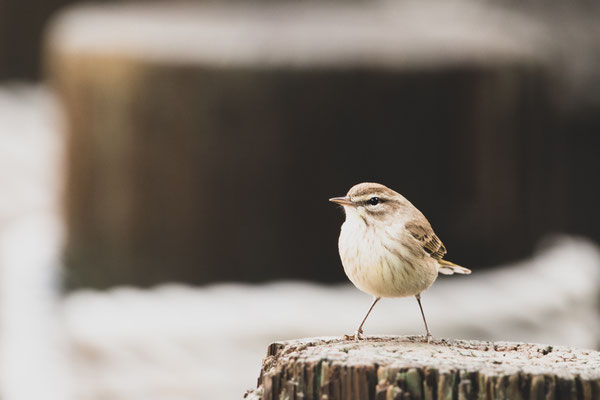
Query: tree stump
[{"x": 405, "y": 367}]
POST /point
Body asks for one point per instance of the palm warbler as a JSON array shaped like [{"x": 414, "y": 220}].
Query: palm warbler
[{"x": 388, "y": 248}]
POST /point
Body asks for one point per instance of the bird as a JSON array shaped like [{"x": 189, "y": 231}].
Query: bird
[{"x": 388, "y": 248}]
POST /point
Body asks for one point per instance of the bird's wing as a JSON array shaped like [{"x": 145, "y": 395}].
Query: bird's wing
[{"x": 422, "y": 231}]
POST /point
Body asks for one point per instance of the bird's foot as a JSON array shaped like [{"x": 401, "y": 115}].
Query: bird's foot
[
  {"x": 358, "y": 335},
  {"x": 428, "y": 338}
]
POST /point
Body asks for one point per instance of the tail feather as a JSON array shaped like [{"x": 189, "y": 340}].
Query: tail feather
[{"x": 449, "y": 268}]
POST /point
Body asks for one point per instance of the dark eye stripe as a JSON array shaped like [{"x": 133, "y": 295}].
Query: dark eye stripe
[{"x": 368, "y": 202}]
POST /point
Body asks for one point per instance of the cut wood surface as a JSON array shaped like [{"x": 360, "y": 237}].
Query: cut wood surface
[{"x": 406, "y": 367}]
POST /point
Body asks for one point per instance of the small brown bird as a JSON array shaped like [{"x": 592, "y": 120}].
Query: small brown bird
[{"x": 388, "y": 248}]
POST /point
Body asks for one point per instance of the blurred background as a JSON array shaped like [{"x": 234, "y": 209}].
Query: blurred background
[{"x": 165, "y": 169}]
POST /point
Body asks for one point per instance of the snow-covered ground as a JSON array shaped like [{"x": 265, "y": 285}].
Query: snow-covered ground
[{"x": 181, "y": 342}]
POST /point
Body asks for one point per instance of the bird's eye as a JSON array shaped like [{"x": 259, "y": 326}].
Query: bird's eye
[{"x": 374, "y": 201}]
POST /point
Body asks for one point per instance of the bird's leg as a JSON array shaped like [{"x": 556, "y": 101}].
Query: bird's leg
[
  {"x": 359, "y": 331},
  {"x": 429, "y": 337}
]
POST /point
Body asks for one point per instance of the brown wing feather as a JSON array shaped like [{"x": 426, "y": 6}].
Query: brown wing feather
[{"x": 423, "y": 232}]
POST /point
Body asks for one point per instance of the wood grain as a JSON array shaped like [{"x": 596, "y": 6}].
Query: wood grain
[{"x": 405, "y": 367}]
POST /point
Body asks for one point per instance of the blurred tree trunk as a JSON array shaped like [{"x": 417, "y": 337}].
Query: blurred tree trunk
[{"x": 206, "y": 150}]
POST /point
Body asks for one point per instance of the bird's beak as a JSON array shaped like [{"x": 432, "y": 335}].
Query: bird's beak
[{"x": 345, "y": 201}]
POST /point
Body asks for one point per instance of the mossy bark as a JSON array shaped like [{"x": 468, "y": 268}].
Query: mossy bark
[{"x": 405, "y": 367}]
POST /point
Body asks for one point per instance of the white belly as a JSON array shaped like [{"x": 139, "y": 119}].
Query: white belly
[{"x": 374, "y": 269}]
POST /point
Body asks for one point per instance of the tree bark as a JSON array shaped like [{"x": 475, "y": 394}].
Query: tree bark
[{"x": 405, "y": 367}]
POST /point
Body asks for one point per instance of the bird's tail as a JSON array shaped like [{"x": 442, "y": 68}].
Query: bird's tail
[{"x": 449, "y": 268}]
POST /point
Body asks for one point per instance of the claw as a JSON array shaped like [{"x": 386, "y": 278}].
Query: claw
[{"x": 358, "y": 335}]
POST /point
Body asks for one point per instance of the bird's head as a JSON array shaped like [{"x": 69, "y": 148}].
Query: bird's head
[{"x": 371, "y": 201}]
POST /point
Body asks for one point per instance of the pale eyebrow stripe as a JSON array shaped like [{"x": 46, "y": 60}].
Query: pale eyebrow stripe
[{"x": 365, "y": 197}]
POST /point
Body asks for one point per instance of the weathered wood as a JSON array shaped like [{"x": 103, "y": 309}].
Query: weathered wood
[{"x": 405, "y": 367}]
